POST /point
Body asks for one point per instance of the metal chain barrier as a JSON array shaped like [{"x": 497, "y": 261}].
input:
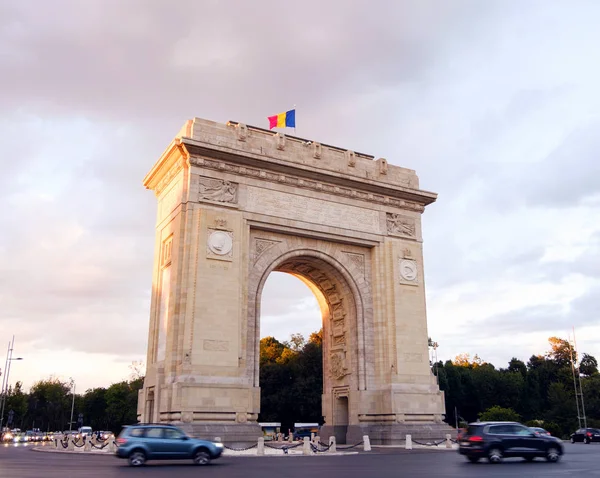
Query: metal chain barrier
[
  {"x": 349, "y": 447},
  {"x": 79, "y": 446},
  {"x": 284, "y": 448},
  {"x": 434, "y": 443},
  {"x": 99, "y": 447},
  {"x": 316, "y": 449},
  {"x": 241, "y": 449}
]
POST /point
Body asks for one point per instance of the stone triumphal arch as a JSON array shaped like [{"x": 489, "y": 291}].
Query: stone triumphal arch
[{"x": 236, "y": 203}]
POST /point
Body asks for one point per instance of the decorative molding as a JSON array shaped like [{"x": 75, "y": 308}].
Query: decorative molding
[
  {"x": 358, "y": 260},
  {"x": 398, "y": 224},
  {"x": 407, "y": 253},
  {"x": 167, "y": 178},
  {"x": 216, "y": 345},
  {"x": 219, "y": 243},
  {"x": 309, "y": 184},
  {"x": 341, "y": 392},
  {"x": 261, "y": 245},
  {"x": 242, "y": 131},
  {"x": 317, "y": 150},
  {"x": 280, "y": 141},
  {"x": 383, "y": 166},
  {"x": 351, "y": 157},
  {"x": 217, "y": 190},
  {"x": 220, "y": 223},
  {"x": 167, "y": 251}
]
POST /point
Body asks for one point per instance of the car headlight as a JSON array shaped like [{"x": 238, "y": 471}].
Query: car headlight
[{"x": 219, "y": 445}]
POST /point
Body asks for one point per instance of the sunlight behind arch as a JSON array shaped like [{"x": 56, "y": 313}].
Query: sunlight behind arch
[{"x": 290, "y": 305}]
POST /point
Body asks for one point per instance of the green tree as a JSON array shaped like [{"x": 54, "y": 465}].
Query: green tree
[
  {"x": 49, "y": 405},
  {"x": 94, "y": 408},
  {"x": 16, "y": 401},
  {"x": 561, "y": 352},
  {"x": 588, "y": 365},
  {"x": 499, "y": 414}
]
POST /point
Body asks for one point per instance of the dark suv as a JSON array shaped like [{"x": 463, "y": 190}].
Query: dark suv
[
  {"x": 586, "y": 435},
  {"x": 498, "y": 440},
  {"x": 139, "y": 443}
]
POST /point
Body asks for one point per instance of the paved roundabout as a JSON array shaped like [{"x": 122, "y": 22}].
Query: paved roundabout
[{"x": 23, "y": 462}]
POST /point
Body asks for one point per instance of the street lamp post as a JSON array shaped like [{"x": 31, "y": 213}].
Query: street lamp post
[
  {"x": 5, "y": 383},
  {"x": 72, "y": 404}
]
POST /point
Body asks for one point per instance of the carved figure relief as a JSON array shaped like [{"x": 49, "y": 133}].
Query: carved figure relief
[
  {"x": 217, "y": 190},
  {"x": 220, "y": 243},
  {"x": 399, "y": 224},
  {"x": 337, "y": 367}
]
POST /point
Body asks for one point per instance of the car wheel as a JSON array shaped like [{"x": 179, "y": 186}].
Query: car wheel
[
  {"x": 495, "y": 455},
  {"x": 552, "y": 454},
  {"x": 201, "y": 457},
  {"x": 473, "y": 459},
  {"x": 137, "y": 458},
  {"x": 587, "y": 441},
  {"x": 572, "y": 440}
]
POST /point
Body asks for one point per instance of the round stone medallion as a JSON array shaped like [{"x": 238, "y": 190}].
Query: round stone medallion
[
  {"x": 220, "y": 243},
  {"x": 408, "y": 270}
]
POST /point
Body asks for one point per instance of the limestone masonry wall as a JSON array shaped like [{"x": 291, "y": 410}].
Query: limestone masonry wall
[{"x": 299, "y": 151}]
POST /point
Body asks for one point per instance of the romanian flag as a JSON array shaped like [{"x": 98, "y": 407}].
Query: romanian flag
[{"x": 283, "y": 120}]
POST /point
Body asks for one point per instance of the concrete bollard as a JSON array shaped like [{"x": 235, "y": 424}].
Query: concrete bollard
[
  {"x": 317, "y": 439},
  {"x": 448, "y": 442},
  {"x": 87, "y": 445},
  {"x": 218, "y": 439},
  {"x": 306, "y": 446},
  {"x": 366, "y": 443},
  {"x": 112, "y": 447},
  {"x": 408, "y": 442},
  {"x": 70, "y": 446},
  {"x": 312, "y": 436},
  {"x": 260, "y": 448},
  {"x": 332, "y": 447},
  {"x": 291, "y": 437}
]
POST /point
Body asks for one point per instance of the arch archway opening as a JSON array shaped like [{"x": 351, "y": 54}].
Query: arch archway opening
[
  {"x": 340, "y": 363},
  {"x": 291, "y": 363}
]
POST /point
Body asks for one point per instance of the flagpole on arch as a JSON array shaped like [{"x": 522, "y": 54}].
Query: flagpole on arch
[{"x": 294, "y": 120}]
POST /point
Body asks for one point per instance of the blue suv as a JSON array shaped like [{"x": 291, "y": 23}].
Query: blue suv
[{"x": 139, "y": 443}]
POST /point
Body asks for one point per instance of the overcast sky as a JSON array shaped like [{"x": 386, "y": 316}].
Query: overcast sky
[{"x": 494, "y": 104}]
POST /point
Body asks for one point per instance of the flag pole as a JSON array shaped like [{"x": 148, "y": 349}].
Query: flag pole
[{"x": 294, "y": 120}]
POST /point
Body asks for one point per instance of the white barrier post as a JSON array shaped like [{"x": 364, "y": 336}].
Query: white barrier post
[
  {"x": 408, "y": 442},
  {"x": 332, "y": 447},
  {"x": 366, "y": 443},
  {"x": 448, "y": 442},
  {"x": 260, "y": 448},
  {"x": 306, "y": 446}
]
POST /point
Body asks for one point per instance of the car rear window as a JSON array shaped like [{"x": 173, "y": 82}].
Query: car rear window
[
  {"x": 136, "y": 432},
  {"x": 473, "y": 430}
]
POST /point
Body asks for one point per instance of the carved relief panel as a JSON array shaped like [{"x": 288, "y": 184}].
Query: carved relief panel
[
  {"x": 217, "y": 190},
  {"x": 400, "y": 225}
]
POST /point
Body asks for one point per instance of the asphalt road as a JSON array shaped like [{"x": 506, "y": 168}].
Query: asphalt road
[{"x": 22, "y": 462}]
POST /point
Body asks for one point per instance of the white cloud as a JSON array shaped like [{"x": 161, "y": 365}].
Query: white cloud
[{"x": 494, "y": 104}]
